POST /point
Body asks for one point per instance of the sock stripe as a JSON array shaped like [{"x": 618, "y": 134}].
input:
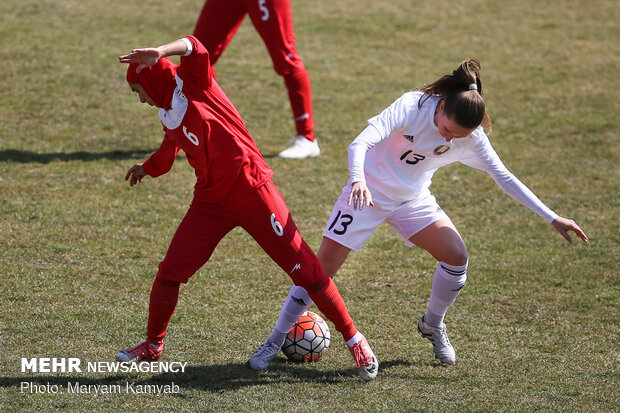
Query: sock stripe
[{"x": 453, "y": 272}]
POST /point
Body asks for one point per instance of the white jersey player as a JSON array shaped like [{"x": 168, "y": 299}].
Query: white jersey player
[{"x": 391, "y": 164}]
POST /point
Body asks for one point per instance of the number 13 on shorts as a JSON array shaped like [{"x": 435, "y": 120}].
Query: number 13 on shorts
[{"x": 340, "y": 223}]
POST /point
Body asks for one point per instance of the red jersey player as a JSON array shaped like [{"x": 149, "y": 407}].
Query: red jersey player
[
  {"x": 217, "y": 24},
  {"x": 234, "y": 187}
]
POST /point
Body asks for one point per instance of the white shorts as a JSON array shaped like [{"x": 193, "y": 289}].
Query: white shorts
[{"x": 352, "y": 228}]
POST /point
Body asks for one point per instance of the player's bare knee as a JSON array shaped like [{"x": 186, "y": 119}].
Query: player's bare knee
[{"x": 457, "y": 256}]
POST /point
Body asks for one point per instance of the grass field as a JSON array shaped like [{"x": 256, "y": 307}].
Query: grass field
[{"x": 536, "y": 328}]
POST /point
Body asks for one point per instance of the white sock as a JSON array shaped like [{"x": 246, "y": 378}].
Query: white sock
[
  {"x": 297, "y": 302},
  {"x": 447, "y": 284},
  {"x": 433, "y": 319},
  {"x": 355, "y": 339}
]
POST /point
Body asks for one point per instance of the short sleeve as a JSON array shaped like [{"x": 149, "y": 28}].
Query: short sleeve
[
  {"x": 195, "y": 68},
  {"x": 189, "y": 45}
]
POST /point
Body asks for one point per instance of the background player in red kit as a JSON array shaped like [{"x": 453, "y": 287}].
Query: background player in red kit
[
  {"x": 218, "y": 22},
  {"x": 234, "y": 187}
]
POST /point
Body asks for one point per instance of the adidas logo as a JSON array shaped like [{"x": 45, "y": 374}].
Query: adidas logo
[
  {"x": 409, "y": 138},
  {"x": 298, "y": 301}
]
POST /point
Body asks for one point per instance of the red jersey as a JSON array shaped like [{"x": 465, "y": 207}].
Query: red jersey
[{"x": 203, "y": 122}]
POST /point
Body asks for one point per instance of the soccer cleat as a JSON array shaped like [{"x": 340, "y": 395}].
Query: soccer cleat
[
  {"x": 301, "y": 148},
  {"x": 365, "y": 360},
  {"x": 147, "y": 351},
  {"x": 441, "y": 344},
  {"x": 262, "y": 357}
]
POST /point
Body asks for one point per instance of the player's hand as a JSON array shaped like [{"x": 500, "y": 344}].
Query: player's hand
[
  {"x": 135, "y": 174},
  {"x": 360, "y": 196},
  {"x": 563, "y": 225},
  {"x": 146, "y": 57}
]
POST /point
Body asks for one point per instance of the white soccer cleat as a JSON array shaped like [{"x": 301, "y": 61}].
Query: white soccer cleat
[
  {"x": 262, "y": 357},
  {"x": 441, "y": 344},
  {"x": 301, "y": 148},
  {"x": 365, "y": 360}
]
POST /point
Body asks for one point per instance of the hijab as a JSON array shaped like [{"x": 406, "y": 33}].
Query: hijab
[{"x": 157, "y": 80}]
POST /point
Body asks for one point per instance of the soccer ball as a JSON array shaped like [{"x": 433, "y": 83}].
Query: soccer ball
[{"x": 308, "y": 339}]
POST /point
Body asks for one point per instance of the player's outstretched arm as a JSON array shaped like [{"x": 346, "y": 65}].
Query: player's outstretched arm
[
  {"x": 151, "y": 55},
  {"x": 135, "y": 174},
  {"x": 563, "y": 225}
]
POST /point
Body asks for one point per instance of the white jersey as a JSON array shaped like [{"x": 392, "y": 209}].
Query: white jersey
[{"x": 401, "y": 150}]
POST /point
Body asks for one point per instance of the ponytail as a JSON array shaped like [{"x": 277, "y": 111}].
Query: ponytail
[{"x": 462, "y": 93}]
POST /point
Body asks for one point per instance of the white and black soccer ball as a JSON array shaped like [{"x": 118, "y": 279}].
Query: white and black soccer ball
[{"x": 308, "y": 339}]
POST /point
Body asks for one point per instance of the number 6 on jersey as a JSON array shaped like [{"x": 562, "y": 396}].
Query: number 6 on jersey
[{"x": 192, "y": 138}]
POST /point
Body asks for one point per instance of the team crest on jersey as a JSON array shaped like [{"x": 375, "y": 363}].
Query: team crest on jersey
[
  {"x": 409, "y": 138},
  {"x": 441, "y": 149},
  {"x": 181, "y": 95}
]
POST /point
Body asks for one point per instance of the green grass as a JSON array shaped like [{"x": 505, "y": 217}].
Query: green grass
[{"x": 535, "y": 329}]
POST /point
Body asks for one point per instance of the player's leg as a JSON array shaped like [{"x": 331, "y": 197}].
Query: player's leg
[
  {"x": 332, "y": 255},
  {"x": 443, "y": 242},
  {"x": 274, "y": 23},
  {"x": 192, "y": 245},
  {"x": 272, "y": 226},
  {"x": 217, "y": 24},
  {"x": 342, "y": 234}
]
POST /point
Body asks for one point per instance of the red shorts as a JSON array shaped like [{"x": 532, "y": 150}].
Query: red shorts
[
  {"x": 265, "y": 216},
  {"x": 220, "y": 19}
]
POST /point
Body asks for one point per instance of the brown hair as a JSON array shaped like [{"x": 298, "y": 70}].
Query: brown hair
[{"x": 462, "y": 102}]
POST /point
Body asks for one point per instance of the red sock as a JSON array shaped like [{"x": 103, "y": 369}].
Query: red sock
[
  {"x": 164, "y": 296},
  {"x": 300, "y": 96},
  {"x": 330, "y": 303}
]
